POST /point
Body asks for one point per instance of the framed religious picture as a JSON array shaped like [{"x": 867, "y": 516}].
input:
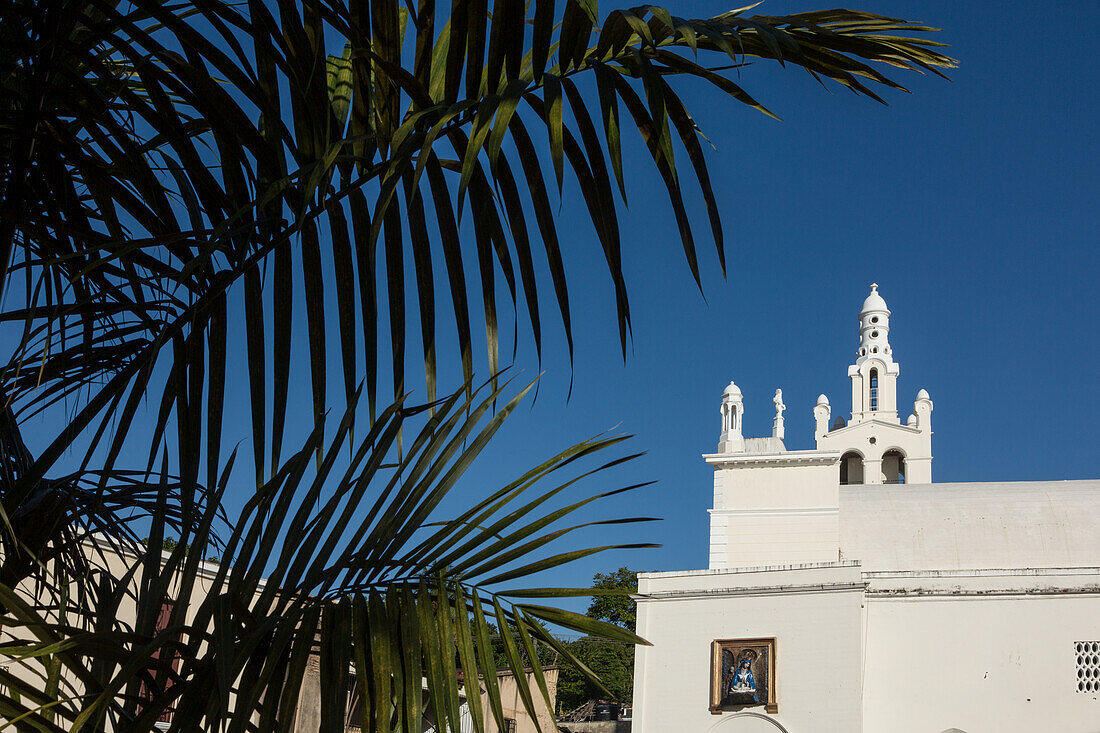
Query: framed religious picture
[{"x": 743, "y": 675}]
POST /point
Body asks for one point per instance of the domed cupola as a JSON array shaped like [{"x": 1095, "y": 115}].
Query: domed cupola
[
  {"x": 874, "y": 328},
  {"x": 732, "y": 411}
]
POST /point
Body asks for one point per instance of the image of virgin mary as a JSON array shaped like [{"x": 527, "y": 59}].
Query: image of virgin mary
[{"x": 743, "y": 682}]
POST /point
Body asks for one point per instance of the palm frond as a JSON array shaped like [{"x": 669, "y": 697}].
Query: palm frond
[
  {"x": 183, "y": 183},
  {"x": 393, "y": 594},
  {"x": 208, "y": 168}
]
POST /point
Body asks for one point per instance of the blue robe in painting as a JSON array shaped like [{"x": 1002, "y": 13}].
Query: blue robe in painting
[{"x": 742, "y": 679}]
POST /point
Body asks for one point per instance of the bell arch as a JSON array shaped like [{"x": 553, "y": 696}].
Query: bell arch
[
  {"x": 893, "y": 466},
  {"x": 851, "y": 468}
]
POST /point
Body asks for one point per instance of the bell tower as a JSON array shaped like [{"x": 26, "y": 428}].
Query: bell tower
[
  {"x": 875, "y": 374},
  {"x": 875, "y": 447}
]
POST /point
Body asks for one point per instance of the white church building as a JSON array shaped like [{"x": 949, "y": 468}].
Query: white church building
[{"x": 847, "y": 592}]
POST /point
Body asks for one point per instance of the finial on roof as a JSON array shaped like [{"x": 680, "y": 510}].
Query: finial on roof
[{"x": 874, "y": 301}]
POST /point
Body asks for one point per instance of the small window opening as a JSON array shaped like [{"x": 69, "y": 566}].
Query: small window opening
[{"x": 874, "y": 390}]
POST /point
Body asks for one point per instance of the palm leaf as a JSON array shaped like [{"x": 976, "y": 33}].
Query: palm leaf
[{"x": 181, "y": 184}]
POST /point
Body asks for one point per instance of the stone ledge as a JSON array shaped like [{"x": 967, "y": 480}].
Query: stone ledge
[{"x": 597, "y": 726}]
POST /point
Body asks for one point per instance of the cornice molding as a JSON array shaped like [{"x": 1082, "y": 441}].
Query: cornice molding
[
  {"x": 764, "y": 590},
  {"x": 777, "y": 511},
  {"x": 790, "y": 458}
]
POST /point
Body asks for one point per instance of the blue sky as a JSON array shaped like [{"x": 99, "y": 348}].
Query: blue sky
[{"x": 970, "y": 202}]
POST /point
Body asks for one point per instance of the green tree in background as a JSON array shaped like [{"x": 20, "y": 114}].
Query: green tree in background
[
  {"x": 612, "y": 662},
  {"x": 615, "y": 606},
  {"x": 207, "y": 206}
]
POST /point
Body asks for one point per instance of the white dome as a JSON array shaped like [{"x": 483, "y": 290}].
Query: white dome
[
  {"x": 912, "y": 421},
  {"x": 732, "y": 390},
  {"x": 823, "y": 400},
  {"x": 923, "y": 395},
  {"x": 874, "y": 301}
]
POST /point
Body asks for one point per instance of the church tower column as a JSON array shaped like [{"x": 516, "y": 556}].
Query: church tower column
[
  {"x": 875, "y": 374},
  {"x": 919, "y": 465}
]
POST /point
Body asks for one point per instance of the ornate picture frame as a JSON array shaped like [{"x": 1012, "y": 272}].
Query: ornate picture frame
[{"x": 743, "y": 675}]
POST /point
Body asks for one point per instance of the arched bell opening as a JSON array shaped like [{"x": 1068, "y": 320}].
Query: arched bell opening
[
  {"x": 893, "y": 467},
  {"x": 851, "y": 468}
]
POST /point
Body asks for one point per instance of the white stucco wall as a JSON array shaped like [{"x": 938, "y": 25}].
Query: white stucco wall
[
  {"x": 881, "y": 651},
  {"x": 1031, "y": 524},
  {"x": 748, "y": 538},
  {"x": 791, "y": 479},
  {"x": 978, "y": 663},
  {"x": 813, "y": 611},
  {"x": 774, "y": 509}
]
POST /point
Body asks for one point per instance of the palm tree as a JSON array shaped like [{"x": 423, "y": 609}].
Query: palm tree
[{"x": 180, "y": 178}]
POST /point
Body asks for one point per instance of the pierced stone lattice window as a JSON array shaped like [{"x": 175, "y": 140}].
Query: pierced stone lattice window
[{"x": 1088, "y": 666}]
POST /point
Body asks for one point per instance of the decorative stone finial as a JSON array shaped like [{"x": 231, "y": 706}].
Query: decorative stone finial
[{"x": 822, "y": 412}]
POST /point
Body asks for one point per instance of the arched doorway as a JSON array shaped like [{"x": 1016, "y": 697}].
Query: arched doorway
[{"x": 747, "y": 722}]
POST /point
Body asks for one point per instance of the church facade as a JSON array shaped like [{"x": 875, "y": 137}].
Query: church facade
[{"x": 847, "y": 592}]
